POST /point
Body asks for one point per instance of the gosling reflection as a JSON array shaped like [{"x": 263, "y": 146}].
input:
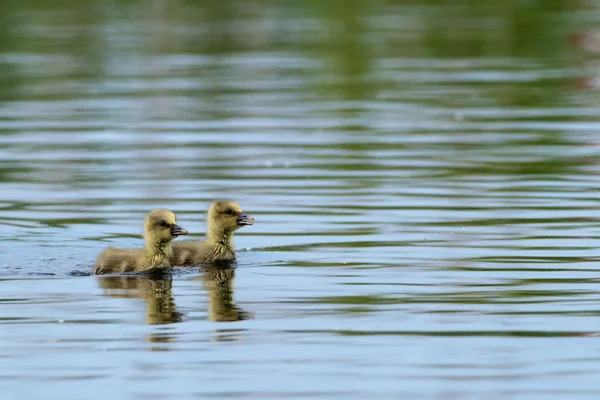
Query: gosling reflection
[
  {"x": 154, "y": 289},
  {"x": 218, "y": 282}
]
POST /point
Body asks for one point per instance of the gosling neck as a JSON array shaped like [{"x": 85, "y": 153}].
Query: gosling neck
[
  {"x": 220, "y": 237},
  {"x": 156, "y": 247}
]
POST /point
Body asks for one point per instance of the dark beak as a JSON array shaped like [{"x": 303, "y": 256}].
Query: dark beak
[
  {"x": 176, "y": 230},
  {"x": 244, "y": 219}
]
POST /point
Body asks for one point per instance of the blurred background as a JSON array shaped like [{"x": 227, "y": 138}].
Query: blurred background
[{"x": 423, "y": 176}]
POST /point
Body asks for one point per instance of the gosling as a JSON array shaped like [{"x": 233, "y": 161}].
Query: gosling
[
  {"x": 160, "y": 229},
  {"x": 224, "y": 217}
]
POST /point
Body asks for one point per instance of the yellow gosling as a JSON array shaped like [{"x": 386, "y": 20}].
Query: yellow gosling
[
  {"x": 160, "y": 228},
  {"x": 224, "y": 217}
]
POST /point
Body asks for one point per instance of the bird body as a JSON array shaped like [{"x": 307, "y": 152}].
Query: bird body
[
  {"x": 160, "y": 229},
  {"x": 194, "y": 252}
]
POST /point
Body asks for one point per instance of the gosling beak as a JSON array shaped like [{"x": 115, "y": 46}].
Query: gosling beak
[
  {"x": 176, "y": 230},
  {"x": 244, "y": 219}
]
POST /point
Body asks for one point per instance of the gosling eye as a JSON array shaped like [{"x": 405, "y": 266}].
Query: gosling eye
[
  {"x": 228, "y": 211},
  {"x": 162, "y": 224}
]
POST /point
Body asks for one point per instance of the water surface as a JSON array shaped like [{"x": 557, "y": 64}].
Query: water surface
[{"x": 423, "y": 177}]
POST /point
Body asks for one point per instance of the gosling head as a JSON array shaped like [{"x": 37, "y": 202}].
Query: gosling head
[
  {"x": 226, "y": 216},
  {"x": 161, "y": 226}
]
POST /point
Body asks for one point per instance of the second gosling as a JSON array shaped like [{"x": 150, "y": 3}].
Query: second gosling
[
  {"x": 224, "y": 217},
  {"x": 160, "y": 228}
]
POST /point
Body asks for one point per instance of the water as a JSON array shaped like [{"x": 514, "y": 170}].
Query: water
[{"x": 423, "y": 176}]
